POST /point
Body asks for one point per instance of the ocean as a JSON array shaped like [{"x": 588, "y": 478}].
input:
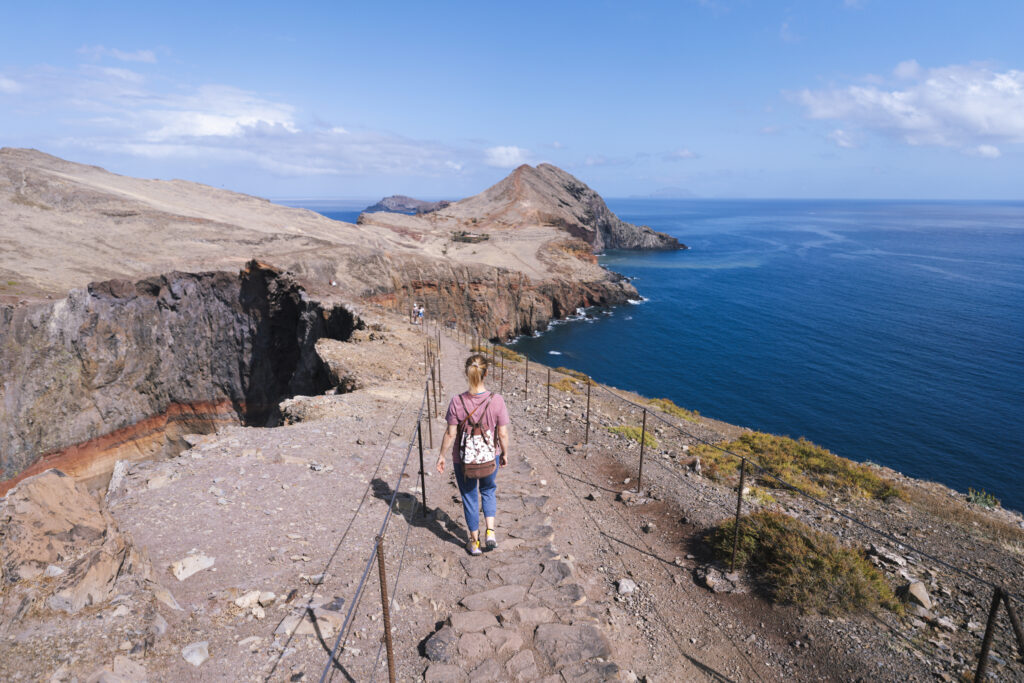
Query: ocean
[
  {"x": 886, "y": 331},
  {"x": 891, "y": 332}
]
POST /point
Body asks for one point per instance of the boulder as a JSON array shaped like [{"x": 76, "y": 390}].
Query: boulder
[
  {"x": 196, "y": 653},
  {"x": 918, "y": 594},
  {"x": 441, "y": 647},
  {"x": 189, "y": 565}
]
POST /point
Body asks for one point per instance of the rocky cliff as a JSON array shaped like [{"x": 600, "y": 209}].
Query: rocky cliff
[
  {"x": 121, "y": 369},
  {"x": 170, "y": 339},
  {"x": 547, "y": 195},
  {"x": 400, "y": 203}
]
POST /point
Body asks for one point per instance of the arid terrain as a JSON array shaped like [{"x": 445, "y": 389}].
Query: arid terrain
[{"x": 202, "y": 445}]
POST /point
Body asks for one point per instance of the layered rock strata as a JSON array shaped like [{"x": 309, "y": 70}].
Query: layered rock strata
[{"x": 120, "y": 370}]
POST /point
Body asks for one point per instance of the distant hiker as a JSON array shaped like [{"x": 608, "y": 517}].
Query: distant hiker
[
  {"x": 478, "y": 428},
  {"x": 419, "y": 315}
]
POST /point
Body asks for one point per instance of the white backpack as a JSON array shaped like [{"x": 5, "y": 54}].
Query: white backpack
[{"x": 477, "y": 445}]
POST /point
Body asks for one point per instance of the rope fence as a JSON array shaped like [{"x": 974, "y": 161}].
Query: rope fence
[
  {"x": 430, "y": 406},
  {"x": 1000, "y": 595}
]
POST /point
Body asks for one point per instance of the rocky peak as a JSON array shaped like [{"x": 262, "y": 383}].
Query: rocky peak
[
  {"x": 400, "y": 203},
  {"x": 547, "y": 195}
]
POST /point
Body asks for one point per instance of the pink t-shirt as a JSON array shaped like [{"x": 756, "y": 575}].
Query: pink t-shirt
[{"x": 494, "y": 416}]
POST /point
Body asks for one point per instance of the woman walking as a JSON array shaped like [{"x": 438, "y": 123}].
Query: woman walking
[{"x": 478, "y": 428}]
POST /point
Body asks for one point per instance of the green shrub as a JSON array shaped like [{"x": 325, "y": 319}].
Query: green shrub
[
  {"x": 982, "y": 498},
  {"x": 799, "y": 463},
  {"x": 666, "y": 405},
  {"x": 634, "y": 434},
  {"x": 800, "y": 566}
]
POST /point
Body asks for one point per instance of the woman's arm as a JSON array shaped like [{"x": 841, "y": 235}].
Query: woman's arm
[
  {"x": 446, "y": 443},
  {"x": 503, "y": 440}
]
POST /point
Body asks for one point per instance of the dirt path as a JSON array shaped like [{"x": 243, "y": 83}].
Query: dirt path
[{"x": 547, "y": 601}]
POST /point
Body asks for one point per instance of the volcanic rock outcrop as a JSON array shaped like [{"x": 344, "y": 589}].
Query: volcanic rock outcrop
[
  {"x": 547, "y": 195},
  {"x": 120, "y": 370},
  {"x": 400, "y": 203},
  {"x": 61, "y": 549}
]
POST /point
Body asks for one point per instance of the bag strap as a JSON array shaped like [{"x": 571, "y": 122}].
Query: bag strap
[{"x": 466, "y": 419}]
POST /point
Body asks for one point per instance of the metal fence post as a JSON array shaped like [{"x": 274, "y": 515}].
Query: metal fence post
[
  {"x": 739, "y": 508},
  {"x": 430, "y": 425},
  {"x": 586, "y": 436},
  {"x": 384, "y": 608},
  {"x": 423, "y": 474},
  {"x": 549, "y": 393},
  {"x": 986, "y": 643},
  {"x": 436, "y": 382},
  {"x": 527, "y": 384},
  {"x": 643, "y": 438},
  {"x": 1015, "y": 623}
]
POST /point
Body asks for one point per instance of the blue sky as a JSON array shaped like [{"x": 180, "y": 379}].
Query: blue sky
[{"x": 718, "y": 98}]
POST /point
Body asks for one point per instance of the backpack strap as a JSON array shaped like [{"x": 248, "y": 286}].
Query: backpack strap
[{"x": 469, "y": 415}]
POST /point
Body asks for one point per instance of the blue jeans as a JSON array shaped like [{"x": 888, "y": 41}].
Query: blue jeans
[{"x": 468, "y": 488}]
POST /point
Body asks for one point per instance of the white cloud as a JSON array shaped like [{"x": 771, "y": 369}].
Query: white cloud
[
  {"x": 117, "y": 111},
  {"x": 841, "y": 138},
  {"x": 680, "y": 155},
  {"x": 770, "y": 130},
  {"x": 98, "y": 52},
  {"x": 988, "y": 151},
  {"x": 218, "y": 111},
  {"x": 958, "y": 106},
  {"x": 9, "y": 86},
  {"x": 907, "y": 70},
  {"x": 557, "y": 145},
  {"x": 505, "y": 156}
]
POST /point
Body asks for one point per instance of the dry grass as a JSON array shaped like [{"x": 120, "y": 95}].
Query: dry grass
[
  {"x": 667, "y": 406},
  {"x": 634, "y": 434},
  {"x": 565, "y": 384},
  {"x": 974, "y": 519},
  {"x": 799, "y": 463},
  {"x": 499, "y": 351},
  {"x": 800, "y": 566},
  {"x": 509, "y": 354},
  {"x": 577, "y": 374}
]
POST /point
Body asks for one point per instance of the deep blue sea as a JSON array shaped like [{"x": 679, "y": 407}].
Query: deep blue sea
[{"x": 885, "y": 331}]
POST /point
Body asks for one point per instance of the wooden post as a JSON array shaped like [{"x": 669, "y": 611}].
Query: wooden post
[
  {"x": 385, "y": 608},
  {"x": 643, "y": 438},
  {"x": 586, "y": 437},
  {"x": 739, "y": 507},
  {"x": 502, "y": 389}
]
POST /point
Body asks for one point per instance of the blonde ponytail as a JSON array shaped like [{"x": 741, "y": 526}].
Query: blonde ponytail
[{"x": 476, "y": 369}]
